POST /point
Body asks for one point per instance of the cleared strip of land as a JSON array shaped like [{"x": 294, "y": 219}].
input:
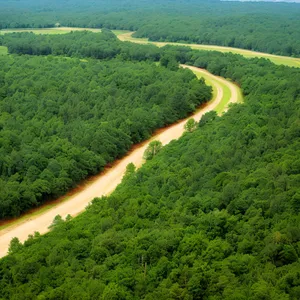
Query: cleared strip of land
[
  {"x": 58, "y": 30},
  {"x": 106, "y": 182},
  {"x": 276, "y": 59}
]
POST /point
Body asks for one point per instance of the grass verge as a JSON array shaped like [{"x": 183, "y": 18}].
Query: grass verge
[
  {"x": 3, "y": 50},
  {"x": 58, "y": 30},
  {"x": 209, "y": 80}
]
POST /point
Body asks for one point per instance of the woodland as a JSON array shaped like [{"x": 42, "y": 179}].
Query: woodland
[
  {"x": 214, "y": 215},
  {"x": 104, "y": 45},
  {"x": 65, "y": 119},
  {"x": 266, "y": 27}
]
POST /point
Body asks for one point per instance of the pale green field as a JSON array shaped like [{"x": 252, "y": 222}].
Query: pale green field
[
  {"x": 225, "y": 99},
  {"x": 276, "y": 59},
  {"x": 58, "y": 30},
  {"x": 3, "y": 50},
  {"x": 119, "y": 32}
]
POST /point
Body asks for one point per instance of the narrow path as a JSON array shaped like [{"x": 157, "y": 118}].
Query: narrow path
[{"x": 107, "y": 182}]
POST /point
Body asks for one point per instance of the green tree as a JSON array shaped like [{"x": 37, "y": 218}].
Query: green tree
[
  {"x": 153, "y": 148},
  {"x": 15, "y": 245},
  {"x": 190, "y": 125}
]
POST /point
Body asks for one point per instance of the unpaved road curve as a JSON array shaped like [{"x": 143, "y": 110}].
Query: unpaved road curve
[
  {"x": 234, "y": 90},
  {"x": 107, "y": 182}
]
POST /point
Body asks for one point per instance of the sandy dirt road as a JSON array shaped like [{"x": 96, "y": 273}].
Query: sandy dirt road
[{"x": 107, "y": 182}]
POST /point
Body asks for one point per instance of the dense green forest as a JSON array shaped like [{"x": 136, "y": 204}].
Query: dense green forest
[
  {"x": 104, "y": 45},
  {"x": 267, "y": 27},
  {"x": 214, "y": 215},
  {"x": 240, "y": 31},
  {"x": 64, "y": 119}
]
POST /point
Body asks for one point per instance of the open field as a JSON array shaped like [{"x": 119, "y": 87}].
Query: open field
[
  {"x": 276, "y": 59},
  {"x": 103, "y": 184},
  {"x": 58, "y": 30},
  {"x": 119, "y": 32},
  {"x": 3, "y": 50}
]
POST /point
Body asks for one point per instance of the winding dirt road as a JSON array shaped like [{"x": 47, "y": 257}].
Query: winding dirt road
[{"x": 105, "y": 183}]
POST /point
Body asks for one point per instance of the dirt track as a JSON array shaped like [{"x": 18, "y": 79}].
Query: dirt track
[{"x": 106, "y": 183}]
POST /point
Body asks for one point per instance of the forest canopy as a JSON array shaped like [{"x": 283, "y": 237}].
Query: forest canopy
[
  {"x": 104, "y": 45},
  {"x": 267, "y": 27},
  {"x": 64, "y": 119},
  {"x": 214, "y": 215}
]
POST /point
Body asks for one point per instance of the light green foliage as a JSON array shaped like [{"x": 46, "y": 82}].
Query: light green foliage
[
  {"x": 190, "y": 125},
  {"x": 14, "y": 246},
  {"x": 58, "y": 220},
  {"x": 153, "y": 148},
  {"x": 3, "y": 50}
]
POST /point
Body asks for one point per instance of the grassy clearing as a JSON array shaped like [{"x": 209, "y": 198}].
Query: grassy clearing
[
  {"x": 225, "y": 99},
  {"x": 3, "y": 50},
  {"x": 240, "y": 96},
  {"x": 276, "y": 59},
  {"x": 59, "y": 30},
  {"x": 119, "y": 32}
]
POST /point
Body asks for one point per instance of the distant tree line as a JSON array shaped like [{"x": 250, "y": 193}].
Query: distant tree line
[{"x": 267, "y": 27}]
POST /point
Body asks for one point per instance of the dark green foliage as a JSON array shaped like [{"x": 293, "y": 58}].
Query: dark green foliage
[
  {"x": 63, "y": 119},
  {"x": 268, "y": 31},
  {"x": 104, "y": 45},
  {"x": 267, "y": 27},
  {"x": 213, "y": 215}
]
